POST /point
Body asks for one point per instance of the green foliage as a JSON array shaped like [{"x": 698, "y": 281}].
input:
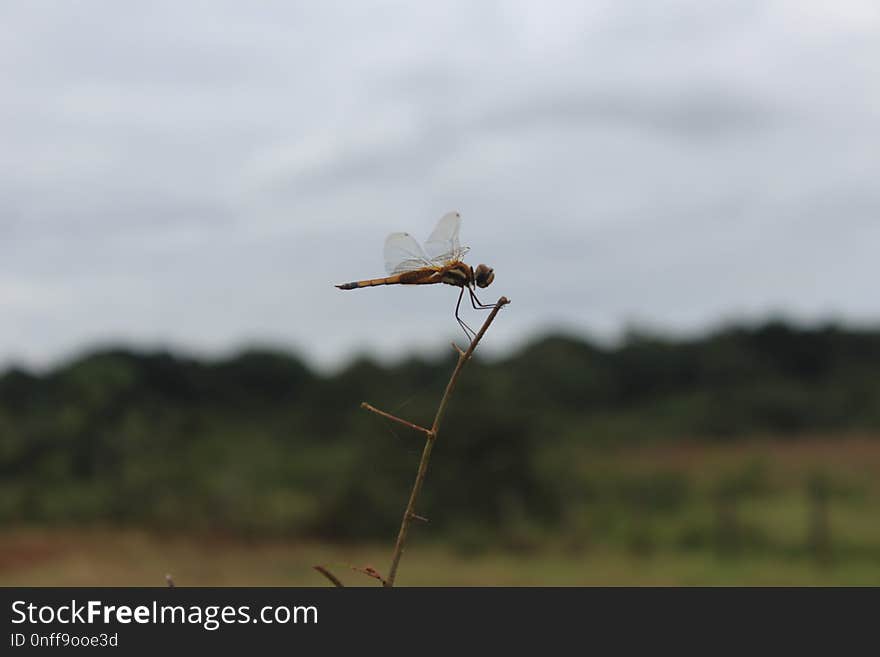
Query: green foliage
[{"x": 259, "y": 443}]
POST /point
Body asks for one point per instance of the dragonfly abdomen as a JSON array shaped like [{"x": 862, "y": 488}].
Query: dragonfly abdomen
[
  {"x": 419, "y": 277},
  {"x": 390, "y": 280}
]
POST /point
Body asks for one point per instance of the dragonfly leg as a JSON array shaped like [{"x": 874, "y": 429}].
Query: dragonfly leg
[
  {"x": 477, "y": 304},
  {"x": 468, "y": 331}
]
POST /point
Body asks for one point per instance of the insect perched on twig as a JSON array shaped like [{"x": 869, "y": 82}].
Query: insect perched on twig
[{"x": 407, "y": 263}]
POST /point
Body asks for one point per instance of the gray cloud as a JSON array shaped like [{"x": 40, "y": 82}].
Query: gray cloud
[
  {"x": 199, "y": 177},
  {"x": 700, "y": 113}
]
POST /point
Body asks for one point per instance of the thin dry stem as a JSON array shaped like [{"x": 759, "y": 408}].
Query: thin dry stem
[
  {"x": 410, "y": 513},
  {"x": 431, "y": 435},
  {"x": 405, "y": 423},
  {"x": 369, "y": 571},
  {"x": 326, "y": 573}
]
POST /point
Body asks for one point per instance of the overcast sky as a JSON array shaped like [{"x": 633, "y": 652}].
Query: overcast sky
[{"x": 198, "y": 174}]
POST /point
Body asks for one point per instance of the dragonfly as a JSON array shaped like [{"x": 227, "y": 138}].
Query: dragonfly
[{"x": 440, "y": 261}]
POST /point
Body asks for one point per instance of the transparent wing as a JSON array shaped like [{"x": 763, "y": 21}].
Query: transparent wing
[
  {"x": 443, "y": 244},
  {"x": 403, "y": 253}
]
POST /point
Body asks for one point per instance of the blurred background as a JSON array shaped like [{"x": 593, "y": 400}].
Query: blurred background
[{"x": 679, "y": 198}]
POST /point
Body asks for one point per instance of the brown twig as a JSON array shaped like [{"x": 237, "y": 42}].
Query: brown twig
[
  {"x": 369, "y": 571},
  {"x": 405, "y": 423},
  {"x": 431, "y": 435},
  {"x": 410, "y": 513},
  {"x": 326, "y": 573}
]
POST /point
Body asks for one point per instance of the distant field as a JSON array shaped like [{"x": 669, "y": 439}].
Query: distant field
[
  {"x": 790, "y": 512},
  {"x": 130, "y": 558},
  {"x": 848, "y": 455}
]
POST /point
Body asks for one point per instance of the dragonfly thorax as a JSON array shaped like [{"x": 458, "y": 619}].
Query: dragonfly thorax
[{"x": 458, "y": 274}]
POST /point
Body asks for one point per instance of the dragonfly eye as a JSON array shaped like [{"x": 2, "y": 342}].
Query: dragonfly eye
[{"x": 483, "y": 275}]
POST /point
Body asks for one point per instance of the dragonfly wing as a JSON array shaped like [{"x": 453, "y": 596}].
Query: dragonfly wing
[
  {"x": 443, "y": 244},
  {"x": 403, "y": 253}
]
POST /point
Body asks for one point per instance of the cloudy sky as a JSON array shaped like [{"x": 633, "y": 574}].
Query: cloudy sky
[{"x": 198, "y": 174}]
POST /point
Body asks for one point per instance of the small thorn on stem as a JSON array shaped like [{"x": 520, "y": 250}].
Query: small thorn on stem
[
  {"x": 416, "y": 516},
  {"x": 458, "y": 349}
]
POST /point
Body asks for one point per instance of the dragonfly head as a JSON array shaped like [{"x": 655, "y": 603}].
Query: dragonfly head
[{"x": 484, "y": 275}]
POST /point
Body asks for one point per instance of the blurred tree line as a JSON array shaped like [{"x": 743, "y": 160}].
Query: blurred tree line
[{"x": 261, "y": 444}]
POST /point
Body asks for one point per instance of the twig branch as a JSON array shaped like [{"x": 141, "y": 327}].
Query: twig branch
[
  {"x": 369, "y": 571},
  {"x": 431, "y": 435},
  {"x": 405, "y": 423},
  {"x": 326, "y": 573},
  {"x": 410, "y": 513}
]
